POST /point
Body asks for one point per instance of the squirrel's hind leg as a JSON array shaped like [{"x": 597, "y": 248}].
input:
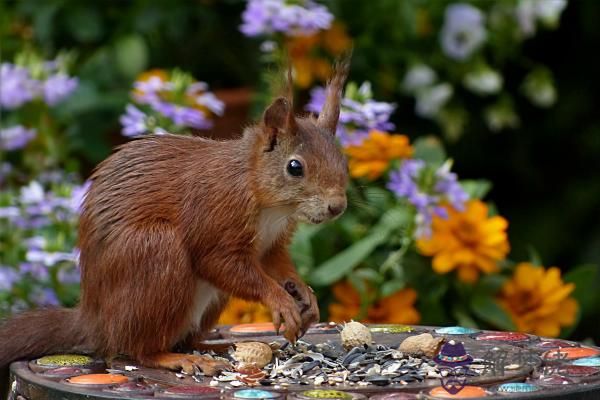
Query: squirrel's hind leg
[{"x": 139, "y": 292}]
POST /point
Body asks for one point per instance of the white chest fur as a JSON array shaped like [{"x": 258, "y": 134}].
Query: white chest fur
[
  {"x": 272, "y": 223},
  {"x": 205, "y": 295}
]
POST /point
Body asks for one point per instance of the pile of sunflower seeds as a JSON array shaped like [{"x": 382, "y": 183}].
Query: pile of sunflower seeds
[{"x": 328, "y": 364}]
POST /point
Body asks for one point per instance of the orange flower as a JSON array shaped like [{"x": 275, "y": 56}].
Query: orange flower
[
  {"x": 538, "y": 300},
  {"x": 469, "y": 241},
  {"x": 397, "y": 308},
  {"x": 308, "y": 64},
  {"x": 240, "y": 311},
  {"x": 372, "y": 157},
  {"x": 335, "y": 39}
]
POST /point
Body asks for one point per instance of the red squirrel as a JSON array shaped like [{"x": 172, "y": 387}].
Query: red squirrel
[{"x": 174, "y": 225}]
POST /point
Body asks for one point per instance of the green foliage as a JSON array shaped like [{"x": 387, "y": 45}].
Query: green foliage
[
  {"x": 342, "y": 263},
  {"x": 586, "y": 279}
]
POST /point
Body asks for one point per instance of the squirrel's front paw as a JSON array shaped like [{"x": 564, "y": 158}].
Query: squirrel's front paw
[
  {"x": 306, "y": 302},
  {"x": 283, "y": 306}
]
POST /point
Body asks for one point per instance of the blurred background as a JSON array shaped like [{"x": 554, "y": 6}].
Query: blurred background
[{"x": 472, "y": 130}]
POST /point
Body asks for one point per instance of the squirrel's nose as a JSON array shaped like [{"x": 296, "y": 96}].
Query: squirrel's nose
[{"x": 336, "y": 209}]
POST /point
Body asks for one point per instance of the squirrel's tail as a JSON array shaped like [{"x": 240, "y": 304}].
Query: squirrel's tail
[{"x": 40, "y": 332}]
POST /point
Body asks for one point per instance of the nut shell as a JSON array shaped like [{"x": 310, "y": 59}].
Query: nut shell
[
  {"x": 423, "y": 344},
  {"x": 355, "y": 334},
  {"x": 253, "y": 353}
]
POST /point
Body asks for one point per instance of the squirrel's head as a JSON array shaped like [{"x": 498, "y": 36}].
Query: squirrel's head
[{"x": 299, "y": 164}]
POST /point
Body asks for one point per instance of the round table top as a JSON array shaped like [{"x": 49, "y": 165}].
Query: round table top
[{"x": 492, "y": 365}]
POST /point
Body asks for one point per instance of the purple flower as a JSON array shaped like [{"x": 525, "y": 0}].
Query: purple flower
[
  {"x": 69, "y": 274},
  {"x": 8, "y": 277},
  {"x": 446, "y": 184},
  {"x": 196, "y": 87},
  {"x": 16, "y": 87},
  {"x": 15, "y": 137},
  {"x": 358, "y": 115},
  {"x": 426, "y": 190},
  {"x": 5, "y": 170},
  {"x": 263, "y": 17},
  {"x": 147, "y": 91},
  {"x": 78, "y": 195},
  {"x": 463, "y": 31},
  {"x": 210, "y": 101},
  {"x": 10, "y": 212},
  {"x": 35, "y": 243},
  {"x": 57, "y": 87},
  {"x": 36, "y": 270},
  {"x": 133, "y": 121},
  {"x": 44, "y": 297},
  {"x": 183, "y": 116}
]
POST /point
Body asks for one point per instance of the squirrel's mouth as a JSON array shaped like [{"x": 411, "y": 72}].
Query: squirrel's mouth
[{"x": 304, "y": 217}]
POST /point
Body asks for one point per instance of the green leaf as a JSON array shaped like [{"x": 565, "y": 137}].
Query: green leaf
[
  {"x": 301, "y": 247},
  {"x": 392, "y": 286},
  {"x": 534, "y": 256},
  {"x": 341, "y": 264},
  {"x": 131, "y": 55},
  {"x": 378, "y": 197},
  {"x": 345, "y": 261},
  {"x": 490, "y": 284},
  {"x": 430, "y": 150},
  {"x": 476, "y": 189},
  {"x": 463, "y": 318},
  {"x": 586, "y": 279},
  {"x": 368, "y": 274},
  {"x": 486, "y": 308}
]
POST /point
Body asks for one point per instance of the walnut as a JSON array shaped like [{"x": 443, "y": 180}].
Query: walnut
[{"x": 253, "y": 353}]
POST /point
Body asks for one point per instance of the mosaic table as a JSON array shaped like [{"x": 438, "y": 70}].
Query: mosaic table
[{"x": 515, "y": 366}]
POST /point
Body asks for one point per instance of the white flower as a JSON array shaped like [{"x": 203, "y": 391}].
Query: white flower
[
  {"x": 539, "y": 88},
  {"x": 417, "y": 77},
  {"x": 549, "y": 11},
  {"x": 528, "y": 12},
  {"x": 463, "y": 31},
  {"x": 430, "y": 100},
  {"x": 32, "y": 193},
  {"x": 501, "y": 115},
  {"x": 483, "y": 81},
  {"x": 50, "y": 258}
]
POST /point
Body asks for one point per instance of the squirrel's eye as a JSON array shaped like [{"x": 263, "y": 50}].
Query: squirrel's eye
[{"x": 294, "y": 168}]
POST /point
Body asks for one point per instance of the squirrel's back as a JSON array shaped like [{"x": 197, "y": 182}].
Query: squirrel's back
[
  {"x": 139, "y": 181},
  {"x": 146, "y": 180}
]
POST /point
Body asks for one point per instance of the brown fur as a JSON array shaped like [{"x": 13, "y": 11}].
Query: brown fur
[{"x": 168, "y": 217}]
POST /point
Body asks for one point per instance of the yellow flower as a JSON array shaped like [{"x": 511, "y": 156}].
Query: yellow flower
[
  {"x": 372, "y": 157},
  {"x": 397, "y": 308},
  {"x": 538, "y": 300},
  {"x": 240, "y": 311},
  {"x": 469, "y": 241}
]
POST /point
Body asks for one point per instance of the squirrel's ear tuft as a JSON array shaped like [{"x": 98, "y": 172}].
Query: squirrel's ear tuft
[{"x": 328, "y": 118}]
